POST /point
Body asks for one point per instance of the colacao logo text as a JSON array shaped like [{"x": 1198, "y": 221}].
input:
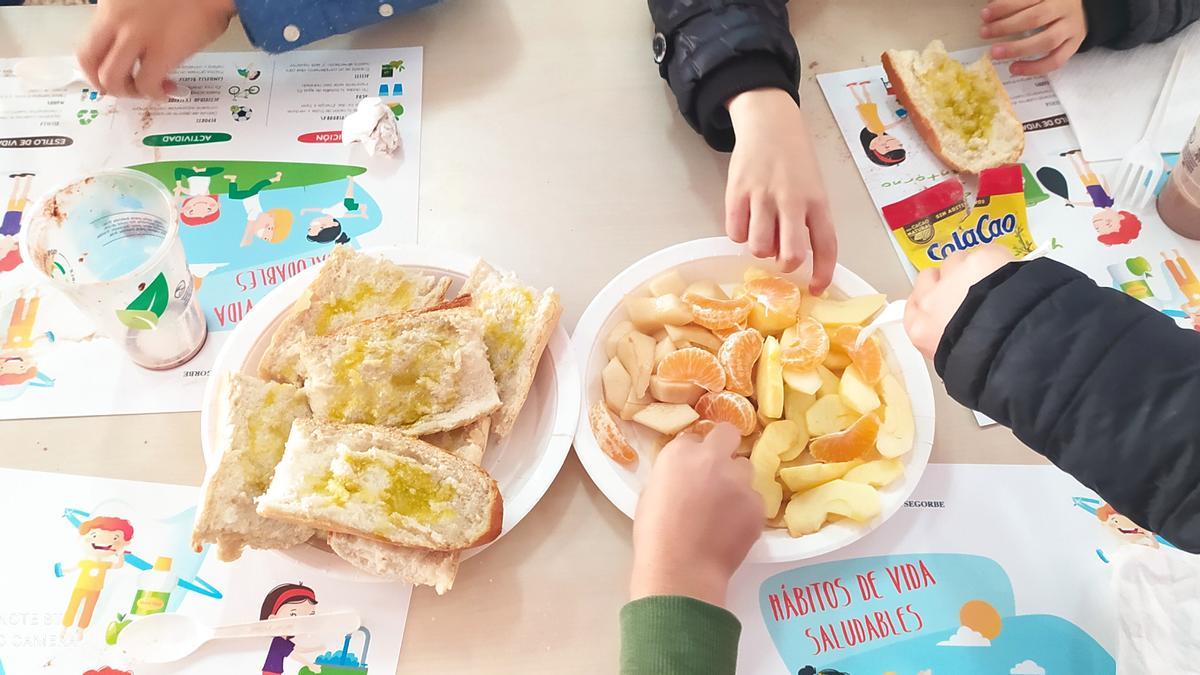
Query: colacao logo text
[{"x": 984, "y": 232}]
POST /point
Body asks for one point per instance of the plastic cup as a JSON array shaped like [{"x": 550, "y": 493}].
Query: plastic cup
[{"x": 110, "y": 243}]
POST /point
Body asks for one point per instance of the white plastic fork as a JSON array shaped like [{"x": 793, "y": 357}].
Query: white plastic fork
[
  {"x": 893, "y": 312},
  {"x": 1143, "y": 166}
]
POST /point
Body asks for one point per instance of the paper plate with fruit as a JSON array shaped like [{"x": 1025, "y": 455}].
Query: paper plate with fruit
[{"x": 701, "y": 332}]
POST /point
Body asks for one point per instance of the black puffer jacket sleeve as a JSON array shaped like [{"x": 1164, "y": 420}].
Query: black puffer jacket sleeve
[
  {"x": 716, "y": 49},
  {"x": 1102, "y": 385},
  {"x": 1121, "y": 24}
]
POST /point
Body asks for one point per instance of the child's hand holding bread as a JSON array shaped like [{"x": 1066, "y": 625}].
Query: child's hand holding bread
[{"x": 1060, "y": 24}]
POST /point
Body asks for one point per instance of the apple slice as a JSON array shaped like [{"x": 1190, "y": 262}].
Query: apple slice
[
  {"x": 803, "y": 381},
  {"x": 668, "y": 283},
  {"x": 706, "y": 288},
  {"x": 617, "y": 384},
  {"x": 898, "y": 430},
  {"x": 636, "y": 353},
  {"x": 666, "y": 418},
  {"x": 764, "y": 460},
  {"x": 808, "y": 476},
  {"x": 683, "y": 336},
  {"x": 830, "y": 384},
  {"x": 662, "y": 348},
  {"x": 614, "y": 336},
  {"x": 768, "y": 379},
  {"x": 855, "y": 311},
  {"x": 674, "y": 392},
  {"x": 878, "y": 473},
  {"x": 807, "y": 511},
  {"x": 829, "y": 415},
  {"x": 856, "y": 393}
]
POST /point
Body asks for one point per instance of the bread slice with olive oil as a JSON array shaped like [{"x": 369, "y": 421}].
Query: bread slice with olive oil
[
  {"x": 381, "y": 484},
  {"x": 420, "y": 373},
  {"x": 350, "y": 287},
  {"x": 255, "y": 418},
  {"x": 963, "y": 112},
  {"x": 413, "y": 565},
  {"x": 518, "y": 321}
]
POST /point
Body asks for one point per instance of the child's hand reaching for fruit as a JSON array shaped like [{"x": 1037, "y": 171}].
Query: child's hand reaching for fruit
[
  {"x": 939, "y": 292},
  {"x": 775, "y": 199},
  {"x": 696, "y": 520},
  {"x": 1061, "y": 27}
]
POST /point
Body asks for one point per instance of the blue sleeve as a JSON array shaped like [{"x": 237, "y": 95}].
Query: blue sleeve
[{"x": 281, "y": 25}]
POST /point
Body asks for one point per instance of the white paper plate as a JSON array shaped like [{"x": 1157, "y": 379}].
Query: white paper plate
[
  {"x": 724, "y": 262},
  {"x": 523, "y": 464}
]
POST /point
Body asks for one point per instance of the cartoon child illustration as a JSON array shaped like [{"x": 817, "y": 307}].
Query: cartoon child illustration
[
  {"x": 104, "y": 540},
  {"x": 1114, "y": 228},
  {"x": 881, "y": 147},
  {"x": 10, "y": 227},
  {"x": 105, "y": 670},
  {"x": 272, "y": 225},
  {"x": 201, "y": 206},
  {"x": 809, "y": 670},
  {"x": 1125, "y": 529},
  {"x": 287, "y": 600},
  {"x": 327, "y": 227},
  {"x": 18, "y": 371}
]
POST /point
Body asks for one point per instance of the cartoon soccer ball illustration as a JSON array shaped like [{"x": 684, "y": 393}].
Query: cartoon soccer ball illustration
[{"x": 241, "y": 113}]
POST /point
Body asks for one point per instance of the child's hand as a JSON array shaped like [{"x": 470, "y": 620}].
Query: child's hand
[
  {"x": 697, "y": 519},
  {"x": 939, "y": 292},
  {"x": 158, "y": 34},
  {"x": 775, "y": 198},
  {"x": 1062, "y": 25}
]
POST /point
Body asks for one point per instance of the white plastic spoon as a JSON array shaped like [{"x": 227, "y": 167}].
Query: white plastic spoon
[
  {"x": 163, "y": 638},
  {"x": 894, "y": 311},
  {"x": 57, "y": 73}
]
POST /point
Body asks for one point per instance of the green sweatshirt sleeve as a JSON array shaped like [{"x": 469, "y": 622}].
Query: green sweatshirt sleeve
[{"x": 676, "y": 635}]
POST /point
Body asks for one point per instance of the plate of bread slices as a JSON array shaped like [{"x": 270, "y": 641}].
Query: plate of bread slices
[
  {"x": 838, "y": 430},
  {"x": 386, "y": 415}
]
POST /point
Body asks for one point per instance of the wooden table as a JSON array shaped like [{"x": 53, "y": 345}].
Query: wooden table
[{"x": 550, "y": 147}]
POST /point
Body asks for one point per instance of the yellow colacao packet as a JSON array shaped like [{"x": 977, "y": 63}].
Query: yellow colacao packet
[{"x": 931, "y": 224}]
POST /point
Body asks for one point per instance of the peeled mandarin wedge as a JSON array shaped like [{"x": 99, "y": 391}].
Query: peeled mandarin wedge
[
  {"x": 776, "y": 302},
  {"x": 727, "y": 406},
  {"x": 700, "y": 427},
  {"x": 714, "y": 313},
  {"x": 609, "y": 436},
  {"x": 868, "y": 359},
  {"x": 692, "y": 364},
  {"x": 842, "y": 338},
  {"x": 809, "y": 348},
  {"x": 737, "y": 356},
  {"x": 843, "y": 446}
]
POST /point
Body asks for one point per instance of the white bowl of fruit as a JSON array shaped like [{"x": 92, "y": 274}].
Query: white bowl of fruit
[{"x": 701, "y": 332}]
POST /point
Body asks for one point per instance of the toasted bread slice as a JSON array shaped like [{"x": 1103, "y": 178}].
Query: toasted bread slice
[
  {"x": 963, "y": 113},
  {"x": 518, "y": 322},
  {"x": 255, "y": 418},
  {"x": 381, "y": 484},
  {"x": 351, "y": 287},
  {"x": 420, "y": 373},
  {"x": 413, "y": 565}
]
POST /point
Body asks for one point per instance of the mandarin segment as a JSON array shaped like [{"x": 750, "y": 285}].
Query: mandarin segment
[
  {"x": 609, "y": 436},
  {"x": 713, "y": 313},
  {"x": 727, "y": 406},
  {"x": 776, "y": 303},
  {"x": 868, "y": 358},
  {"x": 842, "y": 338},
  {"x": 809, "y": 347},
  {"x": 695, "y": 365},
  {"x": 843, "y": 446},
  {"x": 737, "y": 356}
]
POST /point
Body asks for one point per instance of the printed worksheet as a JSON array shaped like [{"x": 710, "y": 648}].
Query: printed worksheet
[
  {"x": 263, "y": 185},
  {"x": 98, "y": 555},
  {"x": 986, "y": 569},
  {"x": 1068, "y": 200}
]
